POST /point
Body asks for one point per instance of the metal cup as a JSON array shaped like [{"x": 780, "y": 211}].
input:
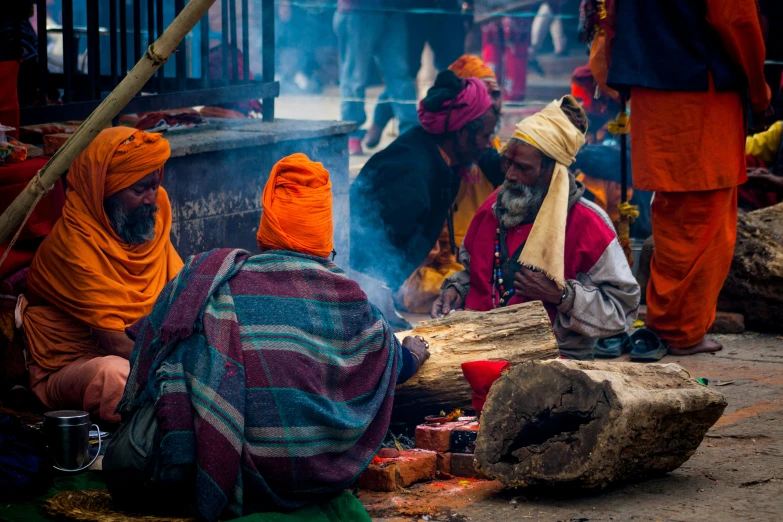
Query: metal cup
[{"x": 67, "y": 435}]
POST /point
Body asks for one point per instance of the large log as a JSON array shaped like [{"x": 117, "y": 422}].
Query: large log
[
  {"x": 754, "y": 286},
  {"x": 515, "y": 333},
  {"x": 588, "y": 425}
]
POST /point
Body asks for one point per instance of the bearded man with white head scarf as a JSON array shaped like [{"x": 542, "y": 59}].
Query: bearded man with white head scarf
[{"x": 536, "y": 238}]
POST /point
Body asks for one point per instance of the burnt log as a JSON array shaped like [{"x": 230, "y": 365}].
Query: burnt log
[
  {"x": 754, "y": 286},
  {"x": 516, "y": 334},
  {"x": 588, "y": 425}
]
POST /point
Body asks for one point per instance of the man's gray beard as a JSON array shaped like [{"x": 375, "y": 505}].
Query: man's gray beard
[
  {"x": 512, "y": 209},
  {"x": 133, "y": 228}
]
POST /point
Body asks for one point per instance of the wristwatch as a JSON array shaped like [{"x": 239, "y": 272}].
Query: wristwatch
[{"x": 565, "y": 294}]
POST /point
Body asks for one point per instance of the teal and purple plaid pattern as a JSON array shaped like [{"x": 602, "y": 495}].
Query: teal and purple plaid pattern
[{"x": 273, "y": 374}]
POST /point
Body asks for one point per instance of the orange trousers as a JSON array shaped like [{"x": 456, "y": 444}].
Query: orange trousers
[
  {"x": 694, "y": 236},
  {"x": 92, "y": 384},
  {"x": 68, "y": 370}
]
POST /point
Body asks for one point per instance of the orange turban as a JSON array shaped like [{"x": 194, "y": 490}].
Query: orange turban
[
  {"x": 297, "y": 208},
  {"x": 469, "y": 66},
  {"x": 83, "y": 267}
]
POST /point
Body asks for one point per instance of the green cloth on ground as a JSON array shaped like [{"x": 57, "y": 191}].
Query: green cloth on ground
[
  {"x": 32, "y": 510},
  {"x": 345, "y": 508}
]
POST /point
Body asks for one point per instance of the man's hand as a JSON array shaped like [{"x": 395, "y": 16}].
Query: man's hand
[
  {"x": 448, "y": 301},
  {"x": 419, "y": 348},
  {"x": 765, "y": 180},
  {"x": 537, "y": 286},
  {"x": 114, "y": 343}
]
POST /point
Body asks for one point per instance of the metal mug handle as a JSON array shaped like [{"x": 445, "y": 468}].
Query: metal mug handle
[{"x": 93, "y": 459}]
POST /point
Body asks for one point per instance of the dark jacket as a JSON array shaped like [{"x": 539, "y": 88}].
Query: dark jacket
[
  {"x": 669, "y": 45},
  {"x": 399, "y": 204}
]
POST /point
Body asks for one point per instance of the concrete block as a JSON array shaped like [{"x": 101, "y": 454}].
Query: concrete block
[
  {"x": 435, "y": 437},
  {"x": 217, "y": 173}
]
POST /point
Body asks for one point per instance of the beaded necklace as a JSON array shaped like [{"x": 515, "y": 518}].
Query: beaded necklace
[{"x": 498, "y": 283}]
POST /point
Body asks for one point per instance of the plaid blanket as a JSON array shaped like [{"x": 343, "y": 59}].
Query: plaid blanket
[{"x": 273, "y": 374}]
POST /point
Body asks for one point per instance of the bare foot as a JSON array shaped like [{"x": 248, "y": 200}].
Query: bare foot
[{"x": 706, "y": 346}]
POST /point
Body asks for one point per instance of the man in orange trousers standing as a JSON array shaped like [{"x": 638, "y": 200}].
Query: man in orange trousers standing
[{"x": 690, "y": 68}]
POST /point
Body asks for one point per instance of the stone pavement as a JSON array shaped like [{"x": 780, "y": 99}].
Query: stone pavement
[{"x": 736, "y": 474}]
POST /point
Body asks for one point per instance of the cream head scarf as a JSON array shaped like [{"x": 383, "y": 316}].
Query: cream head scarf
[{"x": 551, "y": 132}]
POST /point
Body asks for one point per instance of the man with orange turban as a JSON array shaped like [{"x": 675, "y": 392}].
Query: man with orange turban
[
  {"x": 279, "y": 350},
  {"x": 98, "y": 272},
  {"x": 297, "y": 208}
]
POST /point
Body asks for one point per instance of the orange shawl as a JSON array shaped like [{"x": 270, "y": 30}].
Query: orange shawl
[{"x": 83, "y": 267}]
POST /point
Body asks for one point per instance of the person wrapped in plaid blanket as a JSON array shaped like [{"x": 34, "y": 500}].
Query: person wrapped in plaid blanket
[{"x": 260, "y": 383}]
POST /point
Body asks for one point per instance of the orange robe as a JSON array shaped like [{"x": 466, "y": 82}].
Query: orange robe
[
  {"x": 688, "y": 147},
  {"x": 84, "y": 277}
]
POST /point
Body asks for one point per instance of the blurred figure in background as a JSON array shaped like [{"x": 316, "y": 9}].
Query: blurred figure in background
[
  {"x": 443, "y": 25},
  {"x": 373, "y": 34},
  {"x": 18, "y": 59},
  {"x": 505, "y": 42},
  {"x": 548, "y": 19},
  {"x": 302, "y": 41}
]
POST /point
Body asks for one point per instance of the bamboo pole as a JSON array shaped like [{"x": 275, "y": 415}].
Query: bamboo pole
[{"x": 156, "y": 56}]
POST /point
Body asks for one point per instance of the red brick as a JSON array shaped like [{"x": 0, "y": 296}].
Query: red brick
[
  {"x": 53, "y": 142},
  {"x": 435, "y": 437},
  {"x": 726, "y": 323},
  {"x": 416, "y": 465},
  {"x": 410, "y": 467},
  {"x": 462, "y": 466},
  {"x": 379, "y": 477},
  {"x": 444, "y": 462},
  {"x": 388, "y": 453}
]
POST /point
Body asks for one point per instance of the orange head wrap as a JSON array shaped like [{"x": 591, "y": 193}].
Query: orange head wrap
[
  {"x": 116, "y": 159},
  {"x": 469, "y": 66},
  {"x": 83, "y": 267},
  {"x": 297, "y": 208}
]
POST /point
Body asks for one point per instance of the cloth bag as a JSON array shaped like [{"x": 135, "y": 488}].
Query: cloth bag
[{"x": 131, "y": 466}]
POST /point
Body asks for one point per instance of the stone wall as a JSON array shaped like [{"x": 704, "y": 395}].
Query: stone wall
[{"x": 216, "y": 176}]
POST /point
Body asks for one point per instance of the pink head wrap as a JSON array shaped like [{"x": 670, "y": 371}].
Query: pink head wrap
[{"x": 472, "y": 102}]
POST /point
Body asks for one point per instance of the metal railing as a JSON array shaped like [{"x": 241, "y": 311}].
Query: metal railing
[{"x": 95, "y": 57}]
